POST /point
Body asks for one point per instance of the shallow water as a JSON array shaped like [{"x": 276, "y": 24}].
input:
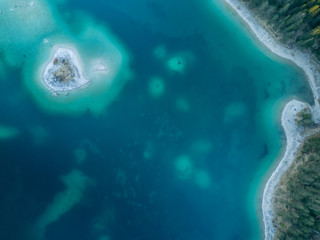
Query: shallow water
[{"x": 180, "y": 152}]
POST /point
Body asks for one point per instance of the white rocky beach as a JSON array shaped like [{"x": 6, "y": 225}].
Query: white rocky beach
[
  {"x": 64, "y": 72},
  {"x": 294, "y": 134}
]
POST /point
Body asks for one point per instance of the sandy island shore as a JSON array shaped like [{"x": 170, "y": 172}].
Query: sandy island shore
[
  {"x": 54, "y": 65},
  {"x": 294, "y": 134},
  {"x": 80, "y": 79}
]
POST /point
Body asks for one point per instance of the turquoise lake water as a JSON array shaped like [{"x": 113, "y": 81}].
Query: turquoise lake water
[{"x": 178, "y": 150}]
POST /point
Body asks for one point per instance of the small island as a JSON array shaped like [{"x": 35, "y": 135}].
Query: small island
[{"x": 63, "y": 72}]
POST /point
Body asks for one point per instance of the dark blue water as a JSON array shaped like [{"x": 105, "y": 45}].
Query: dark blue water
[{"x": 227, "y": 133}]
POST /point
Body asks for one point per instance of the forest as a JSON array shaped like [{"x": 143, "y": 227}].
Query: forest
[
  {"x": 297, "y": 198},
  {"x": 304, "y": 118},
  {"x": 292, "y": 22},
  {"x": 296, "y": 23}
]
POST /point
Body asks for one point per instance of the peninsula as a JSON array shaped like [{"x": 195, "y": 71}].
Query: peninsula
[
  {"x": 297, "y": 197},
  {"x": 289, "y": 29}
]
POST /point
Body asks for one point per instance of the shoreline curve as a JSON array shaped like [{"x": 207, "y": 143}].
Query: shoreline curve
[{"x": 294, "y": 134}]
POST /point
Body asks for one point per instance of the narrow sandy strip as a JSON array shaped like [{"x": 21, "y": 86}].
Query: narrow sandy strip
[
  {"x": 294, "y": 134},
  {"x": 295, "y": 137},
  {"x": 303, "y": 60}
]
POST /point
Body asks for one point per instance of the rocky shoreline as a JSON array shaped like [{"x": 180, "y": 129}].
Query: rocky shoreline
[
  {"x": 294, "y": 135},
  {"x": 64, "y": 72}
]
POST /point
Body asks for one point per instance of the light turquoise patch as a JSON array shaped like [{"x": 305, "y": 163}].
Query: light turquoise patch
[
  {"x": 179, "y": 62},
  {"x": 182, "y": 104},
  {"x": 33, "y": 43},
  {"x": 160, "y": 52},
  {"x": 7, "y": 132},
  {"x": 184, "y": 167},
  {"x": 19, "y": 32},
  {"x": 76, "y": 183},
  {"x": 176, "y": 64},
  {"x": 156, "y": 86},
  {"x": 202, "y": 179},
  {"x": 148, "y": 151},
  {"x": 94, "y": 44}
]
